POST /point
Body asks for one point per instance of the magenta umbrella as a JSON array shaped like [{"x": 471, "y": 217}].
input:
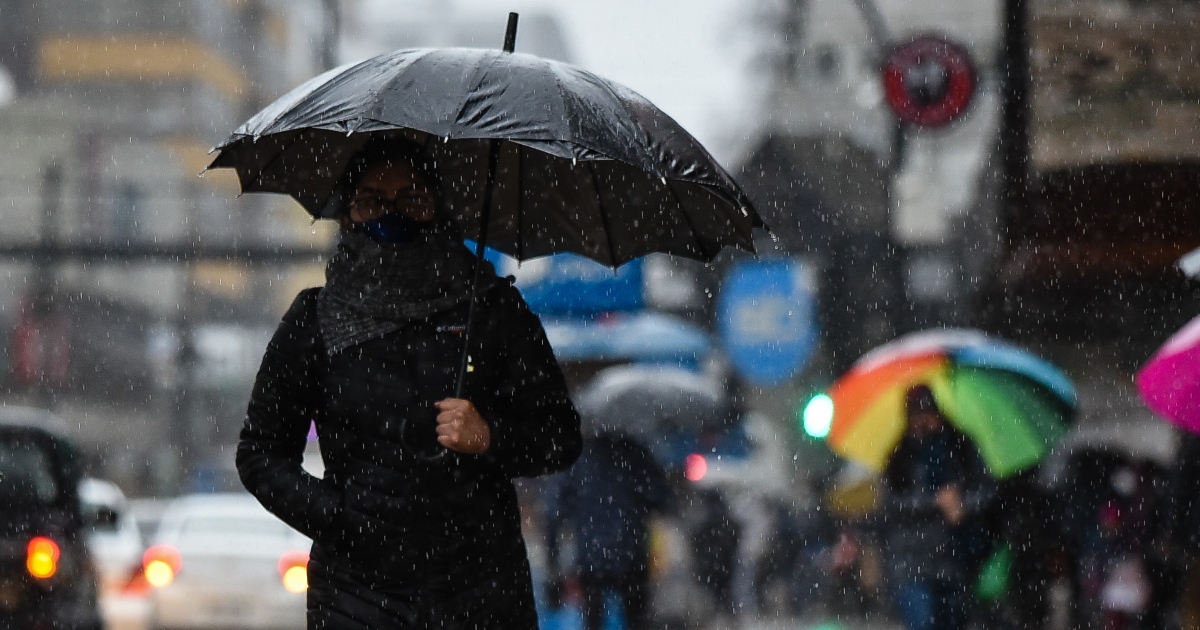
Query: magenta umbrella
[{"x": 1170, "y": 381}]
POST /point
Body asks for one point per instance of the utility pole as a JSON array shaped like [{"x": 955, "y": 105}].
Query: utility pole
[
  {"x": 46, "y": 347},
  {"x": 1015, "y": 117},
  {"x": 332, "y": 21}
]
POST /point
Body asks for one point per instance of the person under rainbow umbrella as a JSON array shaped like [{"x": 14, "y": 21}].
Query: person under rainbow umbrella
[{"x": 1013, "y": 405}]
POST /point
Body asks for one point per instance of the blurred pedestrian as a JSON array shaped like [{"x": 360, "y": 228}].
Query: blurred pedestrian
[
  {"x": 415, "y": 523},
  {"x": 1021, "y": 519},
  {"x": 715, "y": 534},
  {"x": 1184, "y": 521},
  {"x": 606, "y": 500},
  {"x": 933, "y": 488},
  {"x": 776, "y": 569},
  {"x": 1086, "y": 488},
  {"x": 1122, "y": 581}
]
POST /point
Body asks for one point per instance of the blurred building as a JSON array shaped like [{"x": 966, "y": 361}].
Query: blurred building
[
  {"x": 374, "y": 27},
  {"x": 1051, "y": 211},
  {"x": 115, "y": 106}
]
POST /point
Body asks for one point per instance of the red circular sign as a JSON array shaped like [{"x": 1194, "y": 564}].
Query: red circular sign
[{"x": 929, "y": 81}]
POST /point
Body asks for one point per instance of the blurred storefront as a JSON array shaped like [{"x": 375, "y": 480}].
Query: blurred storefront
[
  {"x": 112, "y": 248},
  {"x": 1050, "y": 210}
]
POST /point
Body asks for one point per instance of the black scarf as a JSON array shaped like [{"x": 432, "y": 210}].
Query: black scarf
[{"x": 372, "y": 289}]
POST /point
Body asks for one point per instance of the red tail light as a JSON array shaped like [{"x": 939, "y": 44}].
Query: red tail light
[
  {"x": 41, "y": 557},
  {"x": 160, "y": 564},
  {"x": 293, "y": 569},
  {"x": 695, "y": 467}
]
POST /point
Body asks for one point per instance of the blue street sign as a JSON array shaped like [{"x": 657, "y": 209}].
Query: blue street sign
[{"x": 767, "y": 319}]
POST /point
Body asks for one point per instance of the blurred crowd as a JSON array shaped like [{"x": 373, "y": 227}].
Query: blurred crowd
[{"x": 1098, "y": 538}]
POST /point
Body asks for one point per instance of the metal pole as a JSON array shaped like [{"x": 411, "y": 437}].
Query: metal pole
[
  {"x": 183, "y": 420},
  {"x": 876, "y": 24},
  {"x": 332, "y": 22},
  {"x": 41, "y": 303},
  {"x": 1014, "y": 129}
]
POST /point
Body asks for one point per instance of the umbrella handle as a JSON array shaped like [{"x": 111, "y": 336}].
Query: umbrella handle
[{"x": 485, "y": 218}]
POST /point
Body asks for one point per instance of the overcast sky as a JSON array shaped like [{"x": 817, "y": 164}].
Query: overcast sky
[{"x": 689, "y": 57}]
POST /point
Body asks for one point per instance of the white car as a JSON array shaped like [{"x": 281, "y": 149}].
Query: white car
[
  {"x": 223, "y": 561},
  {"x": 114, "y": 540}
]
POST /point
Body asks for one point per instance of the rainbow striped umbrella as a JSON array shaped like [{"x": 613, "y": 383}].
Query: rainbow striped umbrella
[{"x": 1013, "y": 405}]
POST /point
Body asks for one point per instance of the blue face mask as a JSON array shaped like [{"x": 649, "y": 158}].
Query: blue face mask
[{"x": 393, "y": 228}]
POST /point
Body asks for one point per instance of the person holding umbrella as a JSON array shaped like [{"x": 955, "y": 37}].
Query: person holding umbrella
[
  {"x": 933, "y": 486},
  {"x": 415, "y": 523}
]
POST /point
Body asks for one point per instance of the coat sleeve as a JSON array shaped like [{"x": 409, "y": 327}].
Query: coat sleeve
[
  {"x": 285, "y": 400},
  {"x": 535, "y": 429}
]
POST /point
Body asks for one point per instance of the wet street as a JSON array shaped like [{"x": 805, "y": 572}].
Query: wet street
[{"x": 809, "y": 624}]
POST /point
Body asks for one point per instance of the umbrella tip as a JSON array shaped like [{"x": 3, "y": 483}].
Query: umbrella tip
[{"x": 510, "y": 34}]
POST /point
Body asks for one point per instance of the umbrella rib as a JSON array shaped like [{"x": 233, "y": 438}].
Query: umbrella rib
[
  {"x": 347, "y": 70},
  {"x": 688, "y": 219},
  {"x": 634, "y": 121},
  {"x": 735, "y": 200},
  {"x": 520, "y": 202},
  {"x": 475, "y": 86},
  {"x": 612, "y": 253}
]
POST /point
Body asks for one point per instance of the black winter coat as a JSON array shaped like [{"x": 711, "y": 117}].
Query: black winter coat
[
  {"x": 920, "y": 543},
  {"x": 402, "y": 541},
  {"x": 607, "y": 498}
]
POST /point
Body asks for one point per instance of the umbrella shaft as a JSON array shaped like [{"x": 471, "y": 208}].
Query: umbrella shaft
[{"x": 485, "y": 218}]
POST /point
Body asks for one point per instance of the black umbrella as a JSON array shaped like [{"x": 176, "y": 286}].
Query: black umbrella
[{"x": 535, "y": 156}]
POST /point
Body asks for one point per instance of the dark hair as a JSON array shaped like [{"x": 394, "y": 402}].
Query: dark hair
[
  {"x": 920, "y": 398},
  {"x": 383, "y": 150}
]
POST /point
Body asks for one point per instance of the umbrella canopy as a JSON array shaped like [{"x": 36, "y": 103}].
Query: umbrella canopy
[
  {"x": 535, "y": 156},
  {"x": 580, "y": 164},
  {"x": 1170, "y": 381},
  {"x": 1013, "y": 405},
  {"x": 647, "y": 401},
  {"x": 1189, "y": 264},
  {"x": 643, "y": 337}
]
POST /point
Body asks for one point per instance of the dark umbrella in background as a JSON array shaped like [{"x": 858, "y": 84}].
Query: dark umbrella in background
[
  {"x": 536, "y": 156},
  {"x": 647, "y": 401},
  {"x": 1189, "y": 264}
]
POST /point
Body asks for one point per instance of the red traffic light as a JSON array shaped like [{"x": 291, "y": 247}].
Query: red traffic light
[{"x": 929, "y": 81}]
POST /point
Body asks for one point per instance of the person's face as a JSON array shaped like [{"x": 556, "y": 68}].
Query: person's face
[
  {"x": 922, "y": 424},
  {"x": 392, "y": 187}
]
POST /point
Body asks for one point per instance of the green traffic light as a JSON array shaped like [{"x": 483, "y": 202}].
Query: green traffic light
[{"x": 818, "y": 416}]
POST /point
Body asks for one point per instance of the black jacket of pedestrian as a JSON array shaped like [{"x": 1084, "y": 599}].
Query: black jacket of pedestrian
[
  {"x": 1184, "y": 498},
  {"x": 607, "y": 499},
  {"x": 403, "y": 539},
  {"x": 920, "y": 542}
]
